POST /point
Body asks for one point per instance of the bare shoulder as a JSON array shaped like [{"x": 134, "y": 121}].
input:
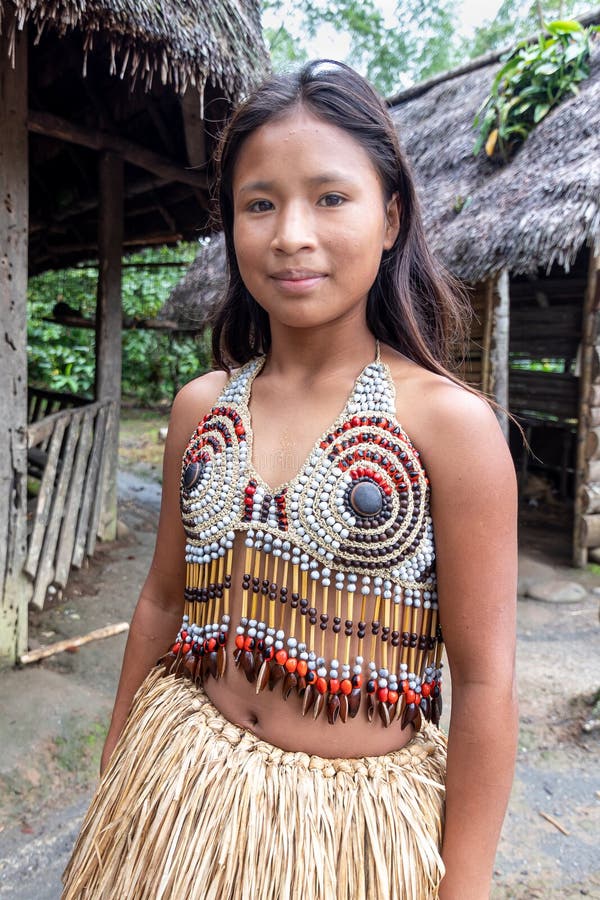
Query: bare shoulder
[
  {"x": 193, "y": 401},
  {"x": 453, "y": 428}
]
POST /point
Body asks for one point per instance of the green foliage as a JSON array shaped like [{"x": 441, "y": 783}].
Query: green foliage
[
  {"x": 535, "y": 77},
  {"x": 155, "y": 363},
  {"x": 515, "y": 20},
  {"x": 417, "y": 43}
]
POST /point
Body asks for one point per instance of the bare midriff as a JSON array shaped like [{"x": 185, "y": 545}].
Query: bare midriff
[{"x": 280, "y": 722}]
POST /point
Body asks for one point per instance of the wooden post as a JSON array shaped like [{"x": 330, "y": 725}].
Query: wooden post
[
  {"x": 14, "y": 188},
  {"x": 109, "y": 326},
  {"x": 488, "y": 315},
  {"x": 585, "y": 470},
  {"x": 498, "y": 363}
]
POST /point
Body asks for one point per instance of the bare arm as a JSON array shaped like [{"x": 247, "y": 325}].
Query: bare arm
[
  {"x": 474, "y": 510},
  {"x": 158, "y": 612}
]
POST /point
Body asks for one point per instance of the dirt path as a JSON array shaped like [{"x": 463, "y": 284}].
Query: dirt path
[{"x": 53, "y": 717}]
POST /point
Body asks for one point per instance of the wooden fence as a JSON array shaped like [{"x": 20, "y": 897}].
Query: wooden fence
[{"x": 66, "y": 438}]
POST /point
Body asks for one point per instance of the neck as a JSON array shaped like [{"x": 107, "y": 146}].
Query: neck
[{"x": 315, "y": 352}]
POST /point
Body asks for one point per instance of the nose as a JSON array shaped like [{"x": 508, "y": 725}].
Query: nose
[{"x": 294, "y": 229}]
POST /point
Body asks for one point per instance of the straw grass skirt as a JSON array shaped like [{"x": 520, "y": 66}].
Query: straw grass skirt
[{"x": 193, "y": 807}]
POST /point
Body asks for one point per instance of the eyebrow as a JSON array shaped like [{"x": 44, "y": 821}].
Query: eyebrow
[{"x": 316, "y": 180}]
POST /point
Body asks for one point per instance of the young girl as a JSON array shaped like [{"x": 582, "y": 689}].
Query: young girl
[{"x": 342, "y": 498}]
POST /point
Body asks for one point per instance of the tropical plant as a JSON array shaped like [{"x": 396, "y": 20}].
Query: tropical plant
[
  {"x": 535, "y": 77},
  {"x": 155, "y": 363}
]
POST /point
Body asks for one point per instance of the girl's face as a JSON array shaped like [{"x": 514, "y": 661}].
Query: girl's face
[{"x": 310, "y": 220}]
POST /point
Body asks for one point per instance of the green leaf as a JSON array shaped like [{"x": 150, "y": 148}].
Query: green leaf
[
  {"x": 547, "y": 69},
  {"x": 564, "y": 26},
  {"x": 541, "y": 110}
]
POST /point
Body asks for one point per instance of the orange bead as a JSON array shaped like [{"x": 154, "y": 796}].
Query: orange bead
[
  {"x": 302, "y": 667},
  {"x": 382, "y": 694},
  {"x": 281, "y": 657},
  {"x": 426, "y": 689},
  {"x": 410, "y": 696},
  {"x": 334, "y": 686},
  {"x": 291, "y": 664},
  {"x": 239, "y": 641},
  {"x": 346, "y": 686},
  {"x": 321, "y": 685},
  {"x": 393, "y": 696}
]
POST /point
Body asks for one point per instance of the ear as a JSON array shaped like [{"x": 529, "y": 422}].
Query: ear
[{"x": 392, "y": 221}]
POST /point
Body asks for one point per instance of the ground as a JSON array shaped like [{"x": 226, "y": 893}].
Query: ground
[{"x": 54, "y": 714}]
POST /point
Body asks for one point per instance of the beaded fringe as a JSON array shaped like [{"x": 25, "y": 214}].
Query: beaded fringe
[{"x": 194, "y": 806}]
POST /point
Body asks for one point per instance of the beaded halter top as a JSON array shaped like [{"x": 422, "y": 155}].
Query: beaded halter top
[{"x": 346, "y": 546}]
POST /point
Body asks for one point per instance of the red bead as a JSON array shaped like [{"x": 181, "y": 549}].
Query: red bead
[
  {"x": 281, "y": 657},
  {"x": 404, "y": 686},
  {"x": 239, "y": 641},
  {"x": 239, "y": 429},
  {"x": 250, "y": 489},
  {"x": 393, "y": 696},
  {"x": 382, "y": 694},
  {"x": 426, "y": 689},
  {"x": 358, "y": 681},
  {"x": 321, "y": 685},
  {"x": 334, "y": 685},
  {"x": 249, "y": 643},
  {"x": 212, "y": 645},
  {"x": 175, "y": 648},
  {"x": 186, "y": 648},
  {"x": 355, "y": 421},
  {"x": 346, "y": 686},
  {"x": 184, "y": 635},
  {"x": 291, "y": 664},
  {"x": 302, "y": 667},
  {"x": 410, "y": 696}
]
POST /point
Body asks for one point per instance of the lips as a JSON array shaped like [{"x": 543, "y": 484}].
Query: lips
[{"x": 297, "y": 275}]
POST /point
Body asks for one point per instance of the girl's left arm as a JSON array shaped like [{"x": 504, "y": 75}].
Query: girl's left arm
[{"x": 474, "y": 511}]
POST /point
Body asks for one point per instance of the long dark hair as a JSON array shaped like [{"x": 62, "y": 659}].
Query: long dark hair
[{"x": 414, "y": 305}]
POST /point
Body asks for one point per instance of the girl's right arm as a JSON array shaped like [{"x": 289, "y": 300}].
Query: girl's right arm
[{"x": 159, "y": 609}]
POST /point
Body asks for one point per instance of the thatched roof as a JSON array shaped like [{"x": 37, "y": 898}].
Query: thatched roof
[
  {"x": 151, "y": 81},
  {"x": 174, "y": 41},
  {"x": 193, "y": 299},
  {"x": 540, "y": 208}
]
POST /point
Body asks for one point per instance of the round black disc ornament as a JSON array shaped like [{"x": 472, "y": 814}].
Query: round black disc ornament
[{"x": 366, "y": 499}]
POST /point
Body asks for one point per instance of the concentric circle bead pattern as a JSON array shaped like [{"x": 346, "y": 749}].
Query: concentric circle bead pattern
[
  {"x": 362, "y": 504},
  {"x": 354, "y": 520},
  {"x": 212, "y": 471}
]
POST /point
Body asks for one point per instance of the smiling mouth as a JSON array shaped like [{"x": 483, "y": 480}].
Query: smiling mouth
[{"x": 297, "y": 275}]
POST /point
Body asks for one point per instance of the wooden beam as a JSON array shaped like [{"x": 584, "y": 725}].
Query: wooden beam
[
  {"x": 589, "y": 336},
  {"x": 14, "y": 191},
  {"x": 61, "y": 129},
  {"x": 498, "y": 364},
  {"x": 108, "y": 327}
]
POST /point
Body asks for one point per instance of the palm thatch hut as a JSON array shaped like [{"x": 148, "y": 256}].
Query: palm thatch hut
[
  {"x": 525, "y": 239},
  {"x": 108, "y": 115},
  {"x": 196, "y": 297}
]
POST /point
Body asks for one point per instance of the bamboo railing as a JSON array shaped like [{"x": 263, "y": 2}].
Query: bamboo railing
[{"x": 66, "y": 447}]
